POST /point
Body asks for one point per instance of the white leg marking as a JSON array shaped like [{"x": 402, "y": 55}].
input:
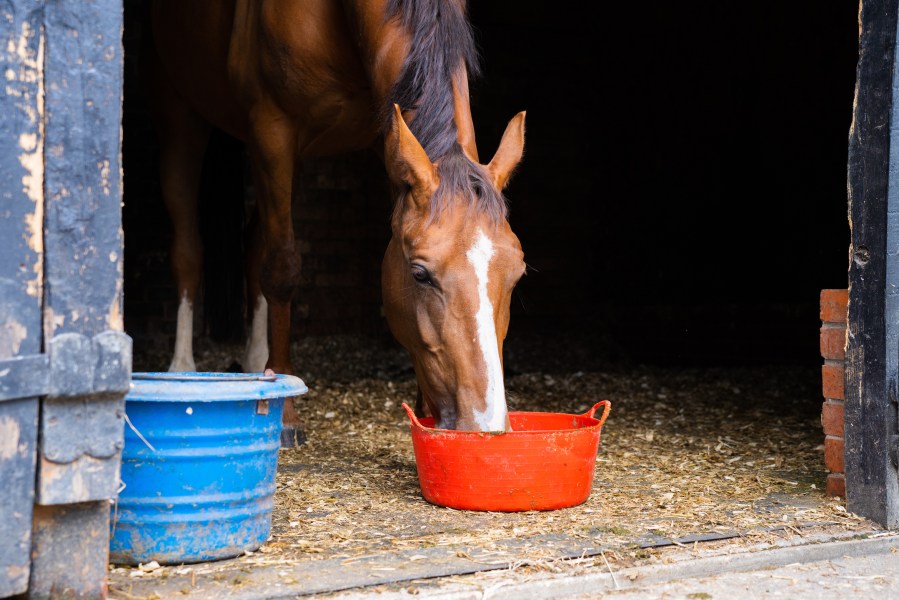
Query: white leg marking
[
  {"x": 183, "y": 360},
  {"x": 256, "y": 354},
  {"x": 494, "y": 416}
]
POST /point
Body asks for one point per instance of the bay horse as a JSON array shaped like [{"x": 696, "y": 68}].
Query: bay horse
[{"x": 296, "y": 79}]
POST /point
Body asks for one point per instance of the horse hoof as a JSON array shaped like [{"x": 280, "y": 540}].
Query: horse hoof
[{"x": 291, "y": 436}]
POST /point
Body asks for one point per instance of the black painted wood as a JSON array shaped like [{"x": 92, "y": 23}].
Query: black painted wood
[
  {"x": 870, "y": 421},
  {"x": 61, "y": 254},
  {"x": 24, "y": 377},
  {"x": 21, "y": 281},
  {"x": 83, "y": 301},
  {"x": 84, "y": 245}
]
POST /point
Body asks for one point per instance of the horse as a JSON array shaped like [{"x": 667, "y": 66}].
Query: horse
[{"x": 296, "y": 79}]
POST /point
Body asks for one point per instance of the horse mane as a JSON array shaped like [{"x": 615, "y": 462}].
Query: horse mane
[{"x": 442, "y": 45}]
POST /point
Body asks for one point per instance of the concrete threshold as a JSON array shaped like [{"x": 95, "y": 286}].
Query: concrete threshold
[{"x": 680, "y": 567}]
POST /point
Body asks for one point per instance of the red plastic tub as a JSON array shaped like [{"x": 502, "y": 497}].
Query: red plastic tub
[{"x": 546, "y": 462}]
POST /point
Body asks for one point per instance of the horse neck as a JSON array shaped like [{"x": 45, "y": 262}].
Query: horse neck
[{"x": 384, "y": 46}]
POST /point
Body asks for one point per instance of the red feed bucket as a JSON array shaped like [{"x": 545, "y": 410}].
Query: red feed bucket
[{"x": 545, "y": 462}]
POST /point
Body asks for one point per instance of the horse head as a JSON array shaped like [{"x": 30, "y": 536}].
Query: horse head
[{"x": 448, "y": 274}]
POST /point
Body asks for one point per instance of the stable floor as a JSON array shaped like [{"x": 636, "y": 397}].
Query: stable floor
[{"x": 688, "y": 457}]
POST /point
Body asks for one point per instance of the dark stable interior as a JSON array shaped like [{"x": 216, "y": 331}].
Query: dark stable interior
[{"x": 682, "y": 201}]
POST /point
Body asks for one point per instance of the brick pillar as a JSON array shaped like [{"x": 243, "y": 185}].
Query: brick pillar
[{"x": 833, "y": 351}]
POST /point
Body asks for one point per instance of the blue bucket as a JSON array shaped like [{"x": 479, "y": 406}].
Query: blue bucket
[{"x": 198, "y": 466}]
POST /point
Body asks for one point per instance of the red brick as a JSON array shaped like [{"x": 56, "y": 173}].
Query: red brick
[
  {"x": 833, "y": 305},
  {"x": 832, "y": 381},
  {"x": 833, "y": 454},
  {"x": 836, "y": 485},
  {"x": 833, "y": 341},
  {"x": 832, "y": 418}
]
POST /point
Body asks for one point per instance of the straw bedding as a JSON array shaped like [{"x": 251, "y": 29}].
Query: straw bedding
[{"x": 685, "y": 452}]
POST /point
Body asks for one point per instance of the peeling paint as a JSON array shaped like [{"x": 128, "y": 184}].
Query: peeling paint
[
  {"x": 78, "y": 488},
  {"x": 12, "y": 333},
  {"x": 31, "y": 144},
  {"x": 104, "y": 176},
  {"x": 28, "y": 142},
  {"x": 16, "y": 572},
  {"x": 52, "y": 322},
  {"x": 114, "y": 319},
  {"x": 9, "y": 438},
  {"x": 50, "y": 473},
  {"x": 81, "y": 480}
]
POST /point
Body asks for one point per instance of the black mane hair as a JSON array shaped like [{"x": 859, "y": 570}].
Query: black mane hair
[{"x": 442, "y": 46}]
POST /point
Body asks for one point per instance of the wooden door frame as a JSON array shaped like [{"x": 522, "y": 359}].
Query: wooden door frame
[
  {"x": 872, "y": 351},
  {"x": 65, "y": 361}
]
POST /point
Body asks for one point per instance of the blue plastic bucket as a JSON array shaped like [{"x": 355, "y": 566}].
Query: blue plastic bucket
[{"x": 198, "y": 465}]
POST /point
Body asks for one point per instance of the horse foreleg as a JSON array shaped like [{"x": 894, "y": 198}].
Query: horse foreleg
[
  {"x": 183, "y": 140},
  {"x": 256, "y": 352},
  {"x": 272, "y": 155},
  {"x": 279, "y": 275}
]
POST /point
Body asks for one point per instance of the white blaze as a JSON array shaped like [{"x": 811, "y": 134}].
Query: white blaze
[
  {"x": 494, "y": 416},
  {"x": 184, "y": 338}
]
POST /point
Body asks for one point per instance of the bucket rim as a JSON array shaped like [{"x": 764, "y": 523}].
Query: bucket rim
[
  {"x": 211, "y": 386},
  {"x": 417, "y": 425}
]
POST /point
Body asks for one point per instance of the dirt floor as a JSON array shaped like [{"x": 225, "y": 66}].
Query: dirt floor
[{"x": 689, "y": 458}]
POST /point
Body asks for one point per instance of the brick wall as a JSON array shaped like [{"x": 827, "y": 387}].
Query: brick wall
[{"x": 833, "y": 351}]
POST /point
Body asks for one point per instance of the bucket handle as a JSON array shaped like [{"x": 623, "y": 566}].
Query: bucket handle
[
  {"x": 607, "y": 407},
  {"x": 415, "y": 422},
  {"x": 198, "y": 377},
  {"x": 605, "y": 411}
]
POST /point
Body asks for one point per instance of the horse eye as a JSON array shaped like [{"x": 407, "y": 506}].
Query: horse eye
[{"x": 421, "y": 275}]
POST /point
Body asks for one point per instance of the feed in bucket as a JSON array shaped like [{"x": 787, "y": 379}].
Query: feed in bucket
[{"x": 546, "y": 462}]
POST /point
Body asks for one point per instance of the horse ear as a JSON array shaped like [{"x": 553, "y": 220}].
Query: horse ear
[
  {"x": 511, "y": 149},
  {"x": 407, "y": 162}
]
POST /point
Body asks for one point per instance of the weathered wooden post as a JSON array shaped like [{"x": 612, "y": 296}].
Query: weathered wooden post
[
  {"x": 65, "y": 361},
  {"x": 872, "y": 354}
]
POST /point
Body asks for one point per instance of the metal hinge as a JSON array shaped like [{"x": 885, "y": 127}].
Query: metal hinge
[
  {"x": 82, "y": 417},
  {"x": 24, "y": 377},
  {"x": 74, "y": 365}
]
